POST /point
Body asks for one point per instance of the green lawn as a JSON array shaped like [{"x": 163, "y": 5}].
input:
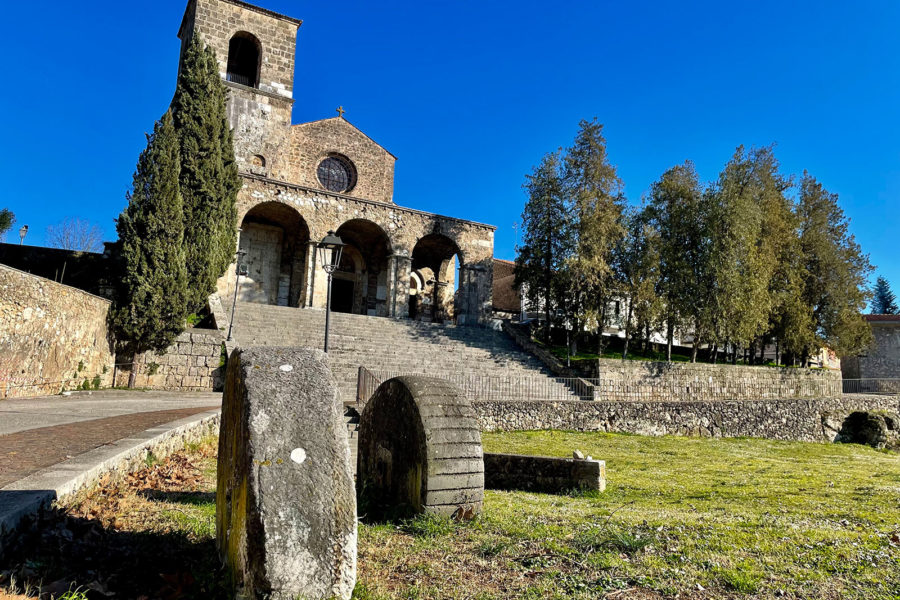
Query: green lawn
[{"x": 700, "y": 518}]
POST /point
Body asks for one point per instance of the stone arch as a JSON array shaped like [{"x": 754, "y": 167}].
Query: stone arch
[
  {"x": 275, "y": 238},
  {"x": 419, "y": 450},
  {"x": 365, "y": 292},
  {"x": 244, "y": 59},
  {"x": 436, "y": 258}
]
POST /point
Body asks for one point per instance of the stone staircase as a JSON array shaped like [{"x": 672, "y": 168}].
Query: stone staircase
[{"x": 400, "y": 346}]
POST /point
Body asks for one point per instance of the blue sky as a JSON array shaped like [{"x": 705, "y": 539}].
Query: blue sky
[{"x": 470, "y": 94}]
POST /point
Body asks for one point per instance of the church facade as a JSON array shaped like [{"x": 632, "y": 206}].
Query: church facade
[{"x": 302, "y": 181}]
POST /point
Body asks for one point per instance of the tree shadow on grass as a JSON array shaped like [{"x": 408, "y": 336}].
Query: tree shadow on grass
[
  {"x": 192, "y": 498},
  {"x": 67, "y": 552}
]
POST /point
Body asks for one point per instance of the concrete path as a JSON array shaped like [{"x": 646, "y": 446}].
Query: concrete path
[
  {"x": 20, "y": 414},
  {"x": 36, "y": 433},
  {"x": 51, "y": 446}
]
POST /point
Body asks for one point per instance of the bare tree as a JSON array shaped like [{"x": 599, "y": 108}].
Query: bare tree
[{"x": 73, "y": 233}]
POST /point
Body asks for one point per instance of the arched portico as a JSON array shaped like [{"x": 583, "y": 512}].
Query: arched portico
[
  {"x": 360, "y": 285},
  {"x": 433, "y": 280},
  {"x": 275, "y": 239}
]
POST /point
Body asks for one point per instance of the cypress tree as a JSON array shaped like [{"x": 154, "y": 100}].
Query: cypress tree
[
  {"x": 150, "y": 304},
  {"x": 884, "y": 302},
  {"x": 209, "y": 177}
]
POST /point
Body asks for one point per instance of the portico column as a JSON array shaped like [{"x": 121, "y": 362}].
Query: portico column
[
  {"x": 400, "y": 284},
  {"x": 310, "y": 273}
]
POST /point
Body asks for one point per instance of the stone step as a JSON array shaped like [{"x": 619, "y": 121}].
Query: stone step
[{"x": 395, "y": 346}]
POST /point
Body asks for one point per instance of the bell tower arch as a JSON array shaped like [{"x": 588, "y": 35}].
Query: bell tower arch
[{"x": 255, "y": 50}]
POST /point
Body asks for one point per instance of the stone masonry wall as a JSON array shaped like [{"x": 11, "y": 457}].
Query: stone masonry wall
[
  {"x": 52, "y": 336},
  {"x": 312, "y": 142},
  {"x": 882, "y": 359},
  {"x": 190, "y": 364},
  {"x": 800, "y": 420},
  {"x": 261, "y": 117},
  {"x": 643, "y": 381},
  {"x": 652, "y": 381}
]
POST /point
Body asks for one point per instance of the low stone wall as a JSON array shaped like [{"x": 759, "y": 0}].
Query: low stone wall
[
  {"x": 191, "y": 363},
  {"x": 542, "y": 473},
  {"x": 645, "y": 381},
  {"x": 52, "y": 337},
  {"x": 615, "y": 380},
  {"x": 799, "y": 420}
]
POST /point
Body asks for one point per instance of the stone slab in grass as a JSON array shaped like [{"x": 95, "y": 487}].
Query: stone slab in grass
[
  {"x": 419, "y": 451},
  {"x": 285, "y": 503}
]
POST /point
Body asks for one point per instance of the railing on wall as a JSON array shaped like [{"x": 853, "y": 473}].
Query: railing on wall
[
  {"x": 497, "y": 388},
  {"x": 872, "y": 386},
  {"x": 485, "y": 388}
]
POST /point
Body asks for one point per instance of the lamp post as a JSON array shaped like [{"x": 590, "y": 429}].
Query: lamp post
[
  {"x": 330, "y": 249},
  {"x": 237, "y": 284},
  {"x": 22, "y": 233}
]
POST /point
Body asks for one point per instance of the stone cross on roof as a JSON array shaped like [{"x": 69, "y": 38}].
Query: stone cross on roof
[{"x": 340, "y": 111}]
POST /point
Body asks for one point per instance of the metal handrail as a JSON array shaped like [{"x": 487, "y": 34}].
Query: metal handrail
[
  {"x": 883, "y": 385},
  {"x": 491, "y": 387}
]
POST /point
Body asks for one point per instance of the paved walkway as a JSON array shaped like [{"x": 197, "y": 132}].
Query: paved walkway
[{"x": 37, "y": 433}]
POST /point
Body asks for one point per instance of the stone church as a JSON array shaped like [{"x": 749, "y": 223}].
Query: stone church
[{"x": 301, "y": 181}]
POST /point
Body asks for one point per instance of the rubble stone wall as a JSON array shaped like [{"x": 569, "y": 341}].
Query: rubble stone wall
[
  {"x": 798, "y": 420},
  {"x": 190, "y": 364},
  {"x": 52, "y": 337}
]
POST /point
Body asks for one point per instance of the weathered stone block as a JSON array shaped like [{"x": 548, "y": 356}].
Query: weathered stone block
[
  {"x": 285, "y": 503},
  {"x": 543, "y": 473},
  {"x": 419, "y": 450}
]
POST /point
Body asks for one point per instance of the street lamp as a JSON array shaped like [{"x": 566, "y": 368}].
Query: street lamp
[
  {"x": 22, "y": 233},
  {"x": 330, "y": 249},
  {"x": 237, "y": 283}
]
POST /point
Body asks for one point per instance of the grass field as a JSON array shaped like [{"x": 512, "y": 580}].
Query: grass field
[{"x": 681, "y": 517}]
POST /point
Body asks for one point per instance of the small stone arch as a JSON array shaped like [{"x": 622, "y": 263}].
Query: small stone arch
[
  {"x": 439, "y": 255},
  {"x": 244, "y": 59},
  {"x": 274, "y": 237},
  {"x": 371, "y": 248},
  {"x": 419, "y": 451}
]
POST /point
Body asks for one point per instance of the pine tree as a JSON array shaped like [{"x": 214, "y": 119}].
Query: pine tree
[
  {"x": 209, "y": 177},
  {"x": 834, "y": 275},
  {"x": 150, "y": 303},
  {"x": 884, "y": 301},
  {"x": 595, "y": 192},
  {"x": 547, "y": 237}
]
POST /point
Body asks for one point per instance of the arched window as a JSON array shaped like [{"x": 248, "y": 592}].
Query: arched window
[{"x": 243, "y": 59}]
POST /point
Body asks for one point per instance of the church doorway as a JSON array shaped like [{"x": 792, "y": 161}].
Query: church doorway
[
  {"x": 363, "y": 273},
  {"x": 433, "y": 281},
  {"x": 275, "y": 240},
  {"x": 342, "y": 292}
]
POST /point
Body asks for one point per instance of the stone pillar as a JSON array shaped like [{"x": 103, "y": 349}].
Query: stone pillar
[
  {"x": 285, "y": 503},
  {"x": 420, "y": 450},
  {"x": 311, "y": 258},
  {"x": 400, "y": 293}
]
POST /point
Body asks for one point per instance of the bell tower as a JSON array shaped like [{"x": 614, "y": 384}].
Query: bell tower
[{"x": 255, "y": 49}]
